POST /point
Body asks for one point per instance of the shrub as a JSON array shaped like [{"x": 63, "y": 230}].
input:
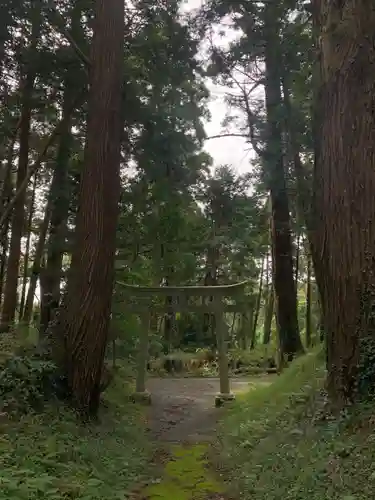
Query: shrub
[{"x": 25, "y": 383}]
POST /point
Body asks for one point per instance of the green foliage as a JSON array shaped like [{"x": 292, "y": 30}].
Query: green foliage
[
  {"x": 201, "y": 362},
  {"x": 51, "y": 455},
  {"x": 25, "y": 383},
  {"x": 125, "y": 329},
  {"x": 366, "y": 367},
  {"x": 281, "y": 442},
  {"x": 256, "y": 360}
]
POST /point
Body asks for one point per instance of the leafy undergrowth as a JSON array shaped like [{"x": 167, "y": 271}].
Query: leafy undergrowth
[
  {"x": 52, "y": 456},
  {"x": 186, "y": 476},
  {"x": 204, "y": 363},
  {"x": 280, "y": 442}
]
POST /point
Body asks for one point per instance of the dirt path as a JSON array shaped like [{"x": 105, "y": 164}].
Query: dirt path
[
  {"x": 182, "y": 423},
  {"x": 183, "y": 409}
]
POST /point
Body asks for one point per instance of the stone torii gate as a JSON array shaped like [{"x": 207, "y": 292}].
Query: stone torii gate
[{"x": 141, "y": 301}]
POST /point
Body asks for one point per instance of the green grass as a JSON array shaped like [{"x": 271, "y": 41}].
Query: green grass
[
  {"x": 54, "y": 457},
  {"x": 277, "y": 446}
]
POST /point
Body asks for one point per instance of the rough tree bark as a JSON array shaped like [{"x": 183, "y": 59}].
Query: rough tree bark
[
  {"x": 344, "y": 204},
  {"x": 282, "y": 249},
  {"x": 84, "y": 318}
]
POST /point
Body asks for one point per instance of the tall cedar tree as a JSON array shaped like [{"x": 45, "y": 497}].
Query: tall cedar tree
[
  {"x": 283, "y": 275},
  {"x": 85, "y": 314},
  {"x": 345, "y": 185}
]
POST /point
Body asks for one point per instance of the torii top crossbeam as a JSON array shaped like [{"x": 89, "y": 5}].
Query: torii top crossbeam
[{"x": 223, "y": 290}]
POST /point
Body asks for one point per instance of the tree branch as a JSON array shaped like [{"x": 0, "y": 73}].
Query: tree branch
[
  {"x": 61, "y": 27},
  {"x": 35, "y": 167},
  {"x": 249, "y": 115}
]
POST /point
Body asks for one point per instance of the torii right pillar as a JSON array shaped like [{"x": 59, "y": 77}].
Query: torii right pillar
[{"x": 221, "y": 337}]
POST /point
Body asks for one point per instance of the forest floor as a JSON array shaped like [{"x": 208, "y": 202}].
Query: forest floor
[
  {"x": 282, "y": 442},
  {"x": 182, "y": 424},
  {"x": 277, "y": 442}
]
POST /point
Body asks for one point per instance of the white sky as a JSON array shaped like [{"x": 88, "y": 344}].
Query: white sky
[{"x": 229, "y": 150}]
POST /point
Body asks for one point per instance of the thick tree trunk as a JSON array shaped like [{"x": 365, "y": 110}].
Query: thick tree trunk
[
  {"x": 345, "y": 185},
  {"x": 85, "y": 314},
  {"x": 282, "y": 250}
]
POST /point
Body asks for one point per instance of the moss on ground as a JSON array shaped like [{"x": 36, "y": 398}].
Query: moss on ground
[
  {"x": 186, "y": 476},
  {"x": 52, "y": 456},
  {"x": 279, "y": 443}
]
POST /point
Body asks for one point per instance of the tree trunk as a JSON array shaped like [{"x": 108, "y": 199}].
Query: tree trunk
[
  {"x": 84, "y": 318},
  {"x": 247, "y": 321},
  {"x": 268, "y": 316},
  {"x": 302, "y": 178},
  {"x": 35, "y": 270},
  {"x": 308, "y": 304},
  {"x": 6, "y": 13},
  {"x": 59, "y": 216},
  {"x": 11, "y": 282},
  {"x": 27, "y": 249},
  {"x": 243, "y": 332},
  {"x": 345, "y": 184},
  {"x": 283, "y": 275},
  {"x": 257, "y": 306},
  {"x": 17, "y": 225},
  {"x": 209, "y": 324},
  {"x": 4, "y": 231},
  {"x": 61, "y": 195},
  {"x": 269, "y": 301},
  {"x": 168, "y": 333},
  {"x": 4, "y": 244},
  {"x": 297, "y": 260}
]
